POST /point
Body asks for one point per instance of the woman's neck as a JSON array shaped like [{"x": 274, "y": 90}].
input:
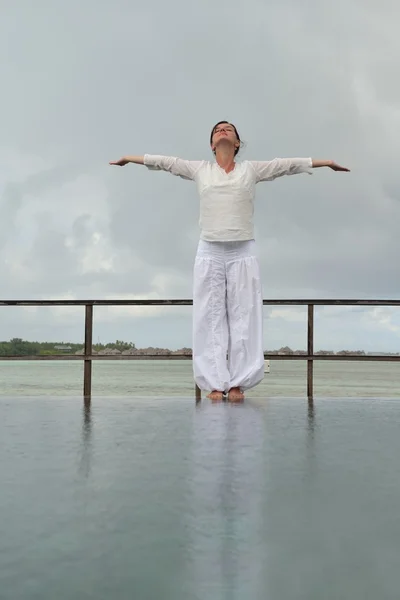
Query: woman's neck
[{"x": 225, "y": 159}]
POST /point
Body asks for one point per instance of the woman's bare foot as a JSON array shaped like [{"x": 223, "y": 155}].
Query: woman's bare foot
[
  {"x": 216, "y": 396},
  {"x": 235, "y": 395}
]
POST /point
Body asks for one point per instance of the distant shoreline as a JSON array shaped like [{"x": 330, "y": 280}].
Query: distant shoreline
[{"x": 20, "y": 347}]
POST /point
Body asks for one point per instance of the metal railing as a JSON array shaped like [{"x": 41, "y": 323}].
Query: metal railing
[{"x": 88, "y": 355}]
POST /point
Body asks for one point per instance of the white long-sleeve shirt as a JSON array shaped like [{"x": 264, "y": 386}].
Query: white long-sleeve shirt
[{"x": 227, "y": 199}]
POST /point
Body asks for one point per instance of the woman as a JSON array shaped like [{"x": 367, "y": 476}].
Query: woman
[{"x": 228, "y": 356}]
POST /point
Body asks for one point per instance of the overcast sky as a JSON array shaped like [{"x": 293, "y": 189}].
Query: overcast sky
[{"x": 84, "y": 83}]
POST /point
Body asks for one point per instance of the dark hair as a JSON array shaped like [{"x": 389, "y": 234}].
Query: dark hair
[{"x": 234, "y": 128}]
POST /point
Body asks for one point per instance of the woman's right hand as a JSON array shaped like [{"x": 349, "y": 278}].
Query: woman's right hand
[{"x": 120, "y": 163}]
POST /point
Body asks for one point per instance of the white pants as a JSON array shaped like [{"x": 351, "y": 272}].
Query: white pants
[{"x": 227, "y": 316}]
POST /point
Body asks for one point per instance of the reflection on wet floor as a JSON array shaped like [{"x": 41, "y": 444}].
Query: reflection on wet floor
[{"x": 275, "y": 498}]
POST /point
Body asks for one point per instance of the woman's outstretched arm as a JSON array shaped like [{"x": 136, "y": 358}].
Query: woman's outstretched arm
[
  {"x": 186, "y": 169},
  {"x": 271, "y": 169},
  {"x": 328, "y": 163},
  {"x": 137, "y": 160}
]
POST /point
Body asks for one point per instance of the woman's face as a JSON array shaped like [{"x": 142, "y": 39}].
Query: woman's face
[{"x": 224, "y": 134}]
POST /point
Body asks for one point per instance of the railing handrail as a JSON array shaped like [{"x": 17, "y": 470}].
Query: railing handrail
[
  {"x": 310, "y": 357},
  {"x": 189, "y": 302}
]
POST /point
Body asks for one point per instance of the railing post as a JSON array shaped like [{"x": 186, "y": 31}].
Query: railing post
[
  {"x": 87, "y": 372},
  {"x": 310, "y": 351}
]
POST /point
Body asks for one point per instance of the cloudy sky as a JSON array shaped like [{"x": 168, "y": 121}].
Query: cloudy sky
[{"x": 84, "y": 83}]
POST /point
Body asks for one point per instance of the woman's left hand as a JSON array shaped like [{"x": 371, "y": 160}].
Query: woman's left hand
[{"x": 335, "y": 167}]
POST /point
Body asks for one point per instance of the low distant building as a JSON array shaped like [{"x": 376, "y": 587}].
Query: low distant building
[{"x": 63, "y": 348}]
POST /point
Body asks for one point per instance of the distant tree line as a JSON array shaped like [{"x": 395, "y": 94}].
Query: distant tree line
[{"x": 20, "y": 347}]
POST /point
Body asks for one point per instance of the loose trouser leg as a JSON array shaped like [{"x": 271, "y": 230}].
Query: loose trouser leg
[
  {"x": 210, "y": 326},
  {"x": 245, "y": 317}
]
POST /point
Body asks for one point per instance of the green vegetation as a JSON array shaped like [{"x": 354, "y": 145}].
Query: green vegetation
[{"x": 19, "y": 347}]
